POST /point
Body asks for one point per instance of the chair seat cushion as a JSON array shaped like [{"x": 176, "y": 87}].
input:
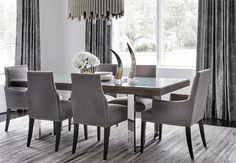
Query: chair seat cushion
[
  {"x": 141, "y": 103},
  {"x": 147, "y": 115},
  {"x": 66, "y": 109},
  {"x": 116, "y": 114}
]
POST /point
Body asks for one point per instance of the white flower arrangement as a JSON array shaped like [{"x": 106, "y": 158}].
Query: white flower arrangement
[{"x": 84, "y": 61}]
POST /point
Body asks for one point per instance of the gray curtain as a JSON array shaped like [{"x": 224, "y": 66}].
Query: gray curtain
[
  {"x": 216, "y": 50},
  {"x": 98, "y": 40},
  {"x": 28, "y": 34}
]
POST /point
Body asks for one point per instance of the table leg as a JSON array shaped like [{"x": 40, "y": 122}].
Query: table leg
[
  {"x": 131, "y": 124},
  {"x": 37, "y": 126}
]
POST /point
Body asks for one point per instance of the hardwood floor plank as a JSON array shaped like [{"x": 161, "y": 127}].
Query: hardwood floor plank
[{"x": 173, "y": 148}]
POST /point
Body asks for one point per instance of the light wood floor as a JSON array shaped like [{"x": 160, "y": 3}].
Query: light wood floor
[{"x": 221, "y": 143}]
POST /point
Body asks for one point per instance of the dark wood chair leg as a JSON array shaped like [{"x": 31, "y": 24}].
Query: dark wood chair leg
[
  {"x": 54, "y": 128},
  {"x": 30, "y": 132},
  {"x": 106, "y": 141},
  {"x": 75, "y": 138},
  {"x": 69, "y": 124},
  {"x": 86, "y": 132},
  {"x": 156, "y": 130},
  {"x": 8, "y": 118},
  {"x": 189, "y": 141},
  {"x": 160, "y": 131},
  {"x": 58, "y": 135},
  {"x": 143, "y": 130},
  {"x": 201, "y": 127},
  {"x": 98, "y": 133}
]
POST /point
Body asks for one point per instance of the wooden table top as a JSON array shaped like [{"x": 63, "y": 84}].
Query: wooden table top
[{"x": 142, "y": 86}]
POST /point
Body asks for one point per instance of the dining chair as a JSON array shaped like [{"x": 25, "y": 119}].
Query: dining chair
[
  {"x": 109, "y": 68},
  {"x": 141, "y": 103},
  {"x": 44, "y": 103},
  {"x": 15, "y": 96},
  {"x": 181, "y": 110},
  {"x": 90, "y": 107},
  {"x": 106, "y": 67}
]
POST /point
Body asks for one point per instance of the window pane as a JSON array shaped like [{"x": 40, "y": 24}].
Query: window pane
[
  {"x": 7, "y": 33},
  {"x": 138, "y": 27},
  {"x": 180, "y": 33}
]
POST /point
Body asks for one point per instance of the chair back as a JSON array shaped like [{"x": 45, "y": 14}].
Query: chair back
[
  {"x": 146, "y": 71},
  {"x": 15, "y": 73},
  {"x": 199, "y": 94},
  {"x": 107, "y": 67},
  {"x": 43, "y": 99},
  {"x": 89, "y": 104}
]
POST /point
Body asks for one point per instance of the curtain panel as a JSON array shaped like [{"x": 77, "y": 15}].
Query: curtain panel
[
  {"x": 98, "y": 40},
  {"x": 28, "y": 34},
  {"x": 216, "y": 49}
]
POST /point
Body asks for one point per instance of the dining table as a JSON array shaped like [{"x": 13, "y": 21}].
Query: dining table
[{"x": 143, "y": 86}]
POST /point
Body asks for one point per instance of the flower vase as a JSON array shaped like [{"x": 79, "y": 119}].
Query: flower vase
[{"x": 86, "y": 71}]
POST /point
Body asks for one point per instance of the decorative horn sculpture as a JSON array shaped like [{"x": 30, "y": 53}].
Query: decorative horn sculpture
[
  {"x": 132, "y": 72},
  {"x": 119, "y": 72}
]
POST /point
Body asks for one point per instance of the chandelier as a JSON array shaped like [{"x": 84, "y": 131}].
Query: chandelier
[{"x": 93, "y": 10}]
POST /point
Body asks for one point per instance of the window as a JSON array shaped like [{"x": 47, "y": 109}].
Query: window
[
  {"x": 162, "y": 32},
  {"x": 7, "y": 33}
]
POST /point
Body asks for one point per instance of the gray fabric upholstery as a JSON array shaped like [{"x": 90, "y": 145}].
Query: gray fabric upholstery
[
  {"x": 28, "y": 34},
  {"x": 89, "y": 104},
  {"x": 141, "y": 103},
  {"x": 43, "y": 100},
  {"x": 107, "y": 67},
  {"x": 110, "y": 68},
  {"x": 15, "y": 96},
  {"x": 216, "y": 49},
  {"x": 146, "y": 71},
  {"x": 183, "y": 112}
]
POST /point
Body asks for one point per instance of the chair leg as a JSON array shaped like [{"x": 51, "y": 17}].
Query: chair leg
[
  {"x": 156, "y": 130},
  {"x": 75, "y": 138},
  {"x": 98, "y": 133},
  {"x": 69, "y": 124},
  {"x": 160, "y": 131},
  {"x": 86, "y": 132},
  {"x": 8, "y": 118},
  {"x": 54, "y": 128},
  {"x": 106, "y": 141},
  {"x": 30, "y": 132},
  {"x": 189, "y": 141},
  {"x": 201, "y": 127},
  {"x": 58, "y": 135},
  {"x": 143, "y": 130}
]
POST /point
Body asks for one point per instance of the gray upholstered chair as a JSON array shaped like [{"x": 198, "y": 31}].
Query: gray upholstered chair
[
  {"x": 44, "y": 103},
  {"x": 106, "y": 67},
  {"x": 181, "y": 110},
  {"x": 109, "y": 68},
  {"x": 90, "y": 107},
  {"x": 141, "y": 103},
  {"x": 15, "y": 96}
]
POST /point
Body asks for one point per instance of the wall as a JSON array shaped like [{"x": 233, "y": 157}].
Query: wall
[{"x": 61, "y": 38}]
